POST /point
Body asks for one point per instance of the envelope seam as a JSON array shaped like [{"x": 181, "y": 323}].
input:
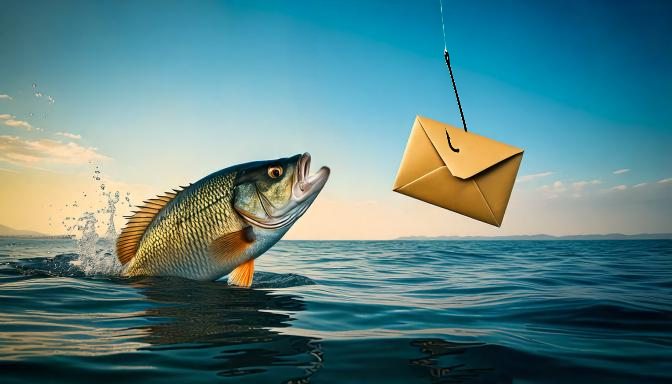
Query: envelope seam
[
  {"x": 432, "y": 171},
  {"x": 493, "y": 164},
  {"x": 421, "y": 177},
  {"x": 486, "y": 203},
  {"x": 518, "y": 151},
  {"x": 433, "y": 146}
]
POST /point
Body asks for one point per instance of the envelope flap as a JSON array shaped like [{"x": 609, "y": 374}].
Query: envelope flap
[{"x": 476, "y": 153}]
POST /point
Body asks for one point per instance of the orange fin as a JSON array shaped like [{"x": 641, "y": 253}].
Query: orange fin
[
  {"x": 231, "y": 244},
  {"x": 242, "y": 276},
  {"x": 129, "y": 239}
]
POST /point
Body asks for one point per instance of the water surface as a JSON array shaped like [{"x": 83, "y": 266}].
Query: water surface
[{"x": 334, "y": 312}]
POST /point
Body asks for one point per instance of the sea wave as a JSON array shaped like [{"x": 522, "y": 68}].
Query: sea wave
[{"x": 403, "y": 311}]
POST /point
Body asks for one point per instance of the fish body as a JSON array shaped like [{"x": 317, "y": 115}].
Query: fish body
[{"x": 221, "y": 223}]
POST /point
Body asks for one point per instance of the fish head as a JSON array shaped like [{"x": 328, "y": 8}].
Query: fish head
[{"x": 273, "y": 194}]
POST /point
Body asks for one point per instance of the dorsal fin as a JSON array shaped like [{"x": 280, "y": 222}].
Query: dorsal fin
[{"x": 129, "y": 239}]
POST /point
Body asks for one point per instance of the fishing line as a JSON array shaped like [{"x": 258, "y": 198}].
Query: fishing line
[
  {"x": 452, "y": 78},
  {"x": 443, "y": 27}
]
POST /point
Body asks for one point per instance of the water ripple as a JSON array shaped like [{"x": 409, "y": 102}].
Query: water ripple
[{"x": 412, "y": 311}]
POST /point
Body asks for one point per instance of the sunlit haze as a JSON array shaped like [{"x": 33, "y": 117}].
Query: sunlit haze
[{"x": 158, "y": 95}]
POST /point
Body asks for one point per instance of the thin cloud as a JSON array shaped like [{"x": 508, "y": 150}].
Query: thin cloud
[
  {"x": 665, "y": 181},
  {"x": 69, "y": 135},
  {"x": 621, "y": 187},
  {"x": 580, "y": 185},
  {"x": 575, "y": 189},
  {"x": 640, "y": 185},
  {"x": 18, "y": 123},
  {"x": 5, "y": 116},
  {"x": 5, "y": 97},
  {"x": 554, "y": 190},
  {"x": 620, "y": 171},
  {"x": 16, "y": 150},
  {"x": 526, "y": 178}
]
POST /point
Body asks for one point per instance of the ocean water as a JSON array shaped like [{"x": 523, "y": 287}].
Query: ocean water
[{"x": 346, "y": 312}]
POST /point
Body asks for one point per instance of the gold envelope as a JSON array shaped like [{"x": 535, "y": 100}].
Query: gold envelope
[{"x": 476, "y": 181}]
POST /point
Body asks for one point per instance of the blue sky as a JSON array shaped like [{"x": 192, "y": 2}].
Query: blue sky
[{"x": 167, "y": 92}]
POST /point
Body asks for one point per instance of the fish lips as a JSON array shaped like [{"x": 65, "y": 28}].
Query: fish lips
[
  {"x": 307, "y": 186},
  {"x": 305, "y": 189}
]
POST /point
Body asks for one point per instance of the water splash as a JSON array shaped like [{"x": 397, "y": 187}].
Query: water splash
[
  {"x": 96, "y": 255},
  {"x": 111, "y": 233}
]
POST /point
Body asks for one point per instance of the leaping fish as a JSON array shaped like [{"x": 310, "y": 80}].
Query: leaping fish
[{"x": 221, "y": 223}]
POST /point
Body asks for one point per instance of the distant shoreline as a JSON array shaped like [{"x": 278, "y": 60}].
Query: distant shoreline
[
  {"x": 610, "y": 236},
  {"x": 37, "y": 237}
]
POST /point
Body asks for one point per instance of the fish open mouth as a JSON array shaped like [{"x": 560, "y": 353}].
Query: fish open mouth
[
  {"x": 305, "y": 188},
  {"x": 306, "y": 185}
]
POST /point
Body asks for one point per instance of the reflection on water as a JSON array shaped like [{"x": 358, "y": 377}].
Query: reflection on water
[
  {"x": 239, "y": 326},
  {"x": 212, "y": 313},
  {"x": 443, "y": 362}
]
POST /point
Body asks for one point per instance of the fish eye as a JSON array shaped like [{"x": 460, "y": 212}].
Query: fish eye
[{"x": 274, "y": 171}]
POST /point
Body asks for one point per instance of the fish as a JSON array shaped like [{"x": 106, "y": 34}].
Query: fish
[{"x": 220, "y": 224}]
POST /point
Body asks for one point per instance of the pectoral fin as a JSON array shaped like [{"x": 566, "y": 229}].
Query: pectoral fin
[
  {"x": 223, "y": 248},
  {"x": 242, "y": 276}
]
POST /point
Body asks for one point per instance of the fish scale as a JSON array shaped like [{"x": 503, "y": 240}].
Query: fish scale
[{"x": 193, "y": 214}]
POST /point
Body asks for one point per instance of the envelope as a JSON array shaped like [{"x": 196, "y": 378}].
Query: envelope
[{"x": 458, "y": 170}]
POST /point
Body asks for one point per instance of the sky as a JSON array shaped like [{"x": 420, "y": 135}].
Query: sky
[{"x": 157, "y": 94}]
